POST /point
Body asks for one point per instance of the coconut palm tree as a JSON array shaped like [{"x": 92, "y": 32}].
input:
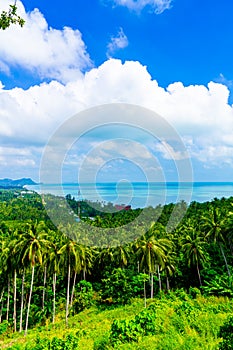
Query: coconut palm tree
[
  {"x": 16, "y": 263},
  {"x": 10, "y": 266},
  {"x": 229, "y": 225},
  {"x": 169, "y": 267},
  {"x": 9, "y": 259},
  {"x": 193, "y": 244},
  {"x": 53, "y": 267},
  {"x": 69, "y": 258},
  {"x": 32, "y": 242},
  {"x": 87, "y": 260},
  {"x": 121, "y": 255},
  {"x": 85, "y": 257},
  {"x": 22, "y": 301},
  {"x": 214, "y": 224},
  {"x": 152, "y": 253},
  {"x": 22, "y": 266},
  {"x": 6, "y": 267},
  {"x": 105, "y": 257}
]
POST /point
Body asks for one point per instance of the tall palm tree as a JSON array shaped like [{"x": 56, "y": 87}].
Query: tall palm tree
[
  {"x": 152, "y": 253},
  {"x": 19, "y": 268},
  {"x": 22, "y": 265},
  {"x": 16, "y": 263},
  {"x": 32, "y": 244},
  {"x": 6, "y": 269},
  {"x": 169, "y": 267},
  {"x": 121, "y": 255},
  {"x": 1, "y": 303},
  {"x": 10, "y": 262},
  {"x": 193, "y": 245},
  {"x": 214, "y": 224},
  {"x": 85, "y": 257},
  {"x": 53, "y": 267},
  {"x": 229, "y": 225},
  {"x": 69, "y": 257},
  {"x": 105, "y": 257},
  {"x": 22, "y": 300},
  {"x": 49, "y": 250}
]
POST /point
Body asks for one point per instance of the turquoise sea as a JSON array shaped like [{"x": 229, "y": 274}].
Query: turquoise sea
[{"x": 140, "y": 194}]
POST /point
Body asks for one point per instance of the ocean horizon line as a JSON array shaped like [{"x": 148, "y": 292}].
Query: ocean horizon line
[
  {"x": 139, "y": 194},
  {"x": 133, "y": 182}
]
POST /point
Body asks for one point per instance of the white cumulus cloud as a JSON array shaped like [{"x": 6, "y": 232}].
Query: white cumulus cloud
[
  {"x": 201, "y": 114},
  {"x": 48, "y": 52},
  {"x": 120, "y": 41},
  {"x": 157, "y": 6}
]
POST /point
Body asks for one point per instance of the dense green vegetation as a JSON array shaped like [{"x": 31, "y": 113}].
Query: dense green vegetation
[
  {"x": 54, "y": 276},
  {"x": 175, "y": 321}
]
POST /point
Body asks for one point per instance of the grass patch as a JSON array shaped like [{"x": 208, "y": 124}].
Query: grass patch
[{"x": 181, "y": 323}]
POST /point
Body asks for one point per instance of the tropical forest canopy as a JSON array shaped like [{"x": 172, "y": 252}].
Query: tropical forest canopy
[{"x": 47, "y": 271}]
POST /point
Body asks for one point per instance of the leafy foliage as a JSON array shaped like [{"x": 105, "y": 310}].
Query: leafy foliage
[
  {"x": 69, "y": 343},
  {"x": 84, "y": 296},
  {"x": 10, "y": 17},
  {"x": 219, "y": 285},
  {"x": 180, "y": 322},
  {"x": 120, "y": 285},
  {"x": 143, "y": 324},
  {"x": 226, "y": 332},
  {"x": 4, "y": 327}
]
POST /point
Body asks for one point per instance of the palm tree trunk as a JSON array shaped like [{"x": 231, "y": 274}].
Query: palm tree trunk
[
  {"x": 84, "y": 274},
  {"x": 68, "y": 294},
  {"x": 15, "y": 291},
  {"x": 54, "y": 296},
  {"x": 8, "y": 299},
  {"x": 22, "y": 306},
  {"x": 1, "y": 301},
  {"x": 199, "y": 275},
  {"x": 73, "y": 289},
  {"x": 167, "y": 282},
  {"x": 2, "y": 294},
  {"x": 225, "y": 259},
  {"x": 159, "y": 277},
  {"x": 29, "y": 300},
  {"x": 152, "y": 286},
  {"x": 44, "y": 287},
  {"x": 144, "y": 287}
]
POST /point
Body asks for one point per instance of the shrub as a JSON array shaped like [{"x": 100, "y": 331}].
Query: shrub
[
  {"x": 69, "y": 343},
  {"x": 84, "y": 296},
  {"x": 4, "y": 327},
  {"x": 194, "y": 292},
  {"x": 219, "y": 285},
  {"x": 119, "y": 286},
  {"x": 101, "y": 343},
  {"x": 226, "y": 332},
  {"x": 132, "y": 330}
]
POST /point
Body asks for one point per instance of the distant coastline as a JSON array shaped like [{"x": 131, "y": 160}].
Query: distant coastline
[
  {"x": 140, "y": 194},
  {"x": 7, "y": 183}
]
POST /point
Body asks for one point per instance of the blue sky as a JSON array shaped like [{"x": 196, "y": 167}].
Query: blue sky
[
  {"x": 172, "y": 57},
  {"x": 190, "y": 42}
]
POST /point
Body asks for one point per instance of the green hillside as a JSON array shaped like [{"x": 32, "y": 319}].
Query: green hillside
[
  {"x": 66, "y": 287},
  {"x": 180, "y": 321}
]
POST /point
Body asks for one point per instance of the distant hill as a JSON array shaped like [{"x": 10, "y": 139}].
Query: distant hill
[{"x": 16, "y": 183}]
